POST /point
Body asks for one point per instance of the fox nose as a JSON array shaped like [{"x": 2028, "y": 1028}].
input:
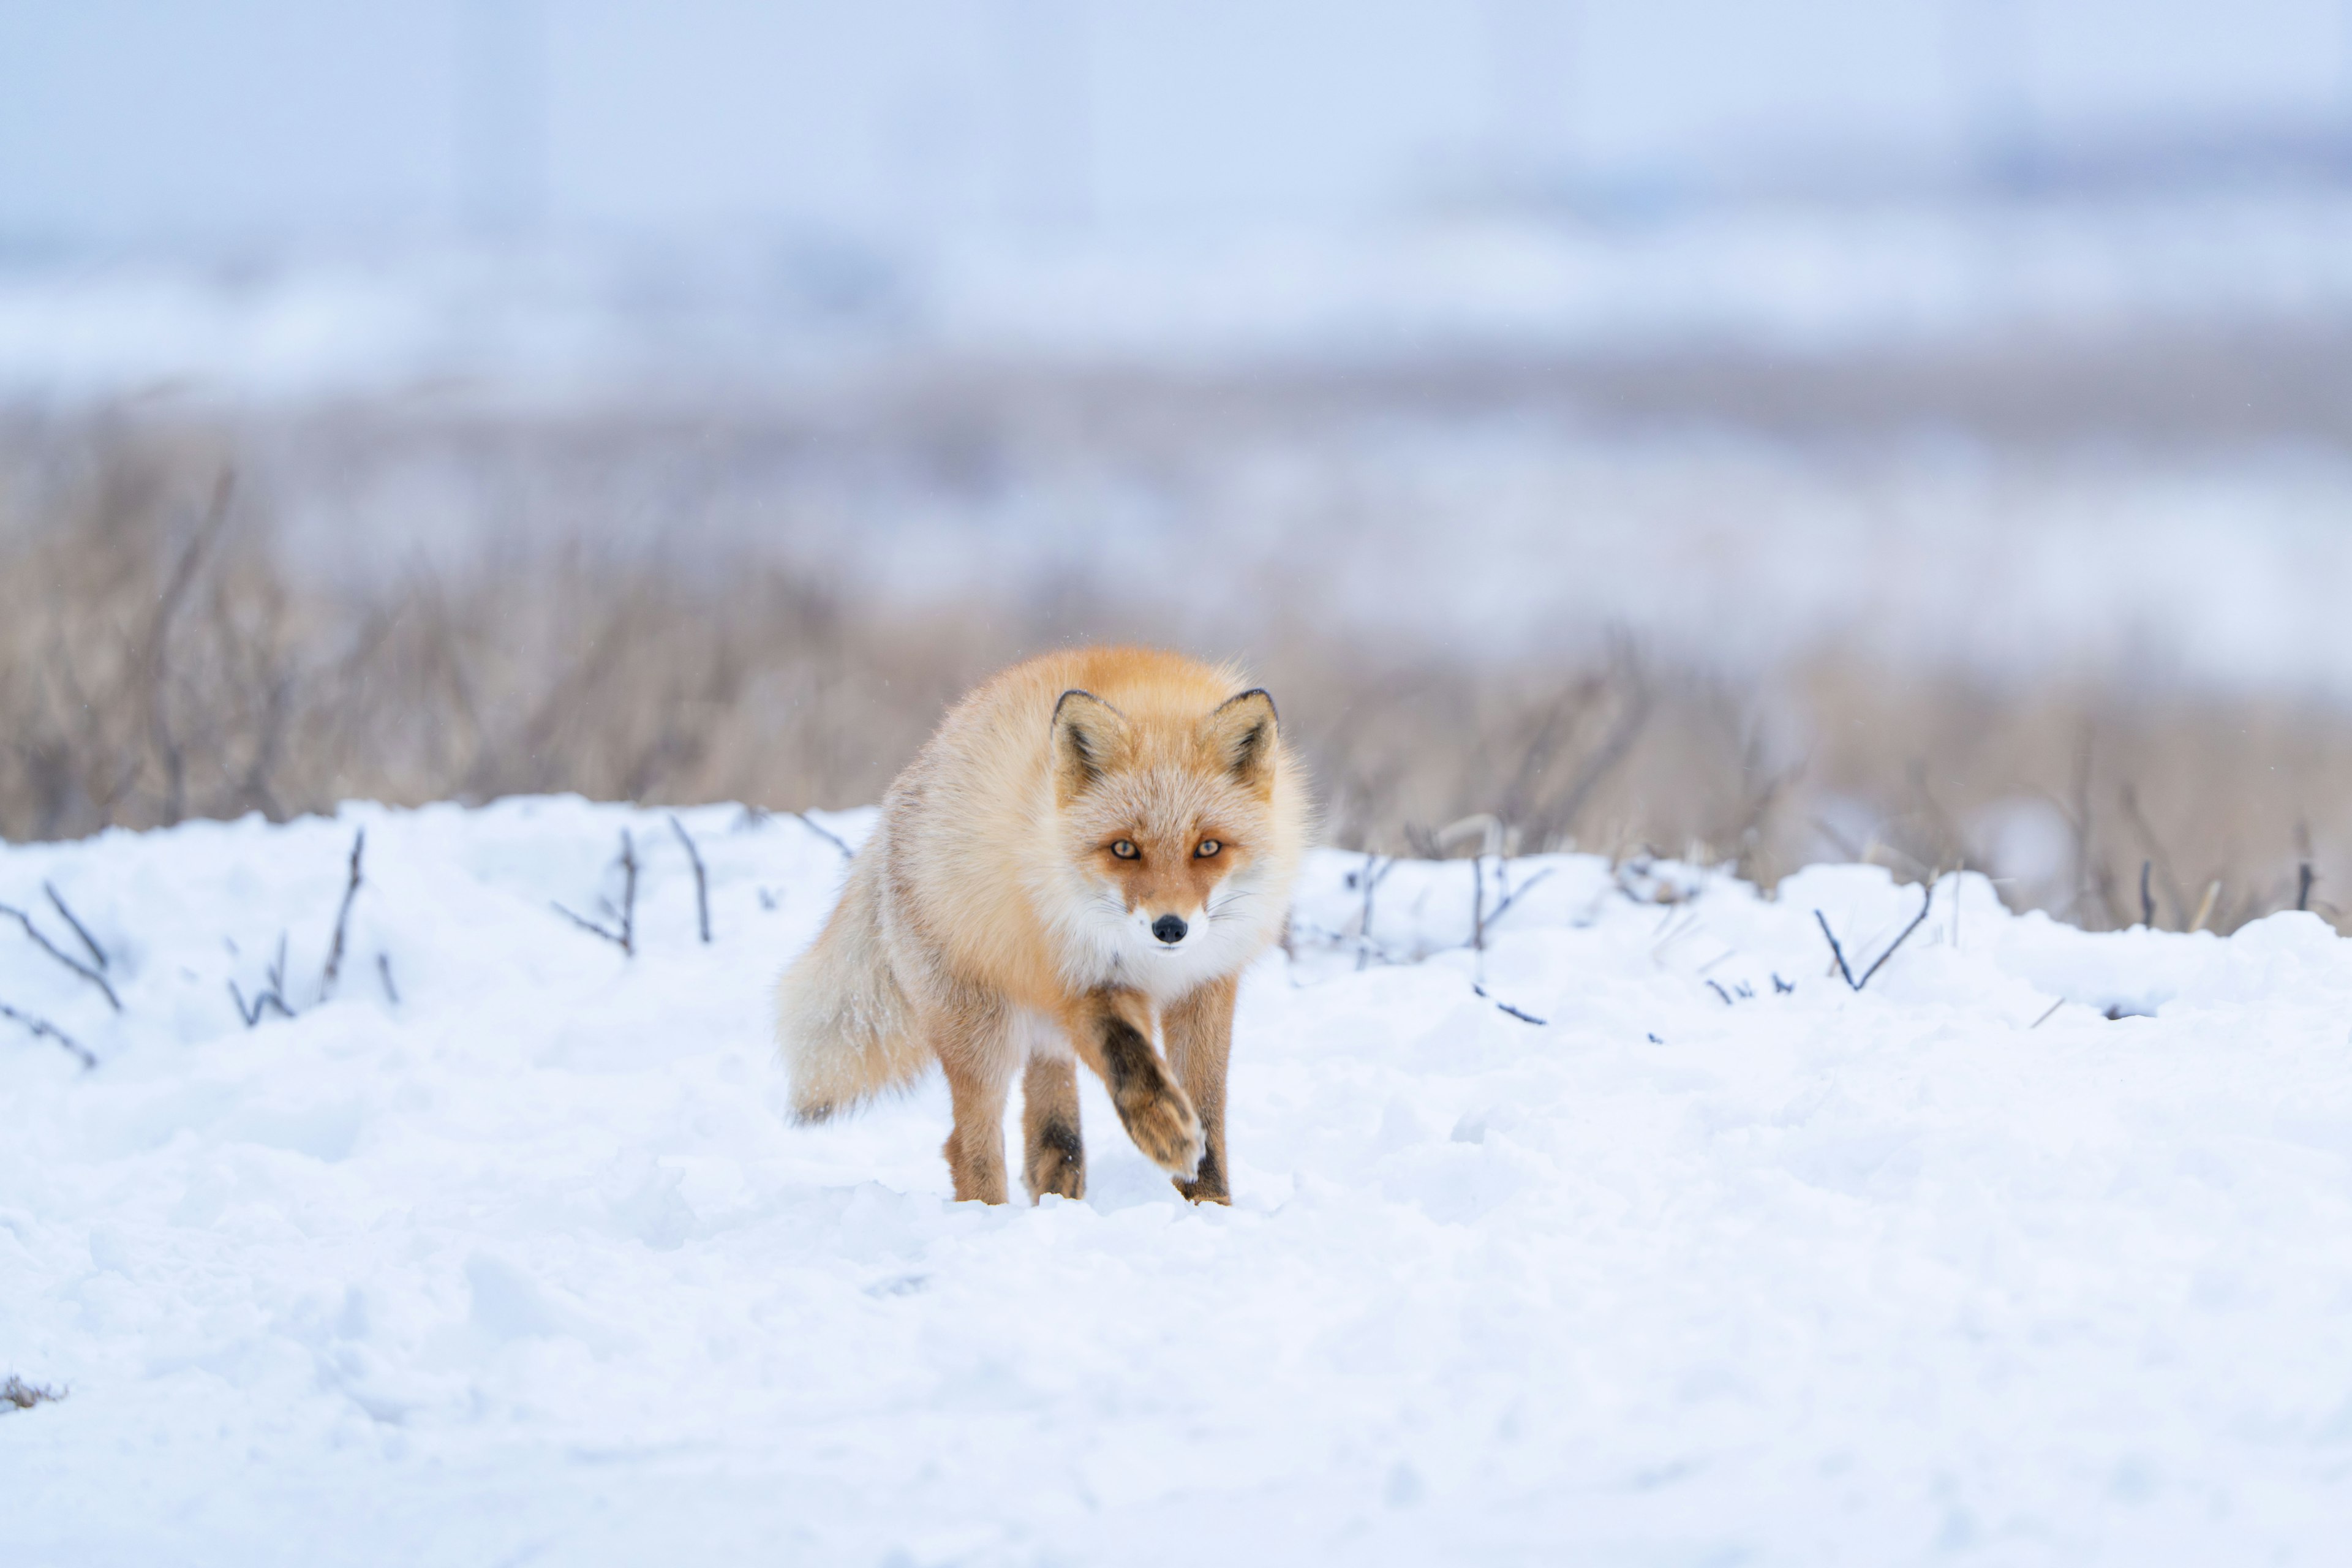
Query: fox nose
[{"x": 1168, "y": 929}]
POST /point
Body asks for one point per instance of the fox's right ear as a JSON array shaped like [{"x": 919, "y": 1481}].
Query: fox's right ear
[{"x": 1089, "y": 740}]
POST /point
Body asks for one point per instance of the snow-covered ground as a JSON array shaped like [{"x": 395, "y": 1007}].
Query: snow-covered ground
[{"x": 503, "y": 1253}]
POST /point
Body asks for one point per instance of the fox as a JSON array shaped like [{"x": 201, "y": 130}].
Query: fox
[{"x": 1077, "y": 867}]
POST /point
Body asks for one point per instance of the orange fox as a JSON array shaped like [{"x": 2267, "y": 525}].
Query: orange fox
[{"x": 1087, "y": 854}]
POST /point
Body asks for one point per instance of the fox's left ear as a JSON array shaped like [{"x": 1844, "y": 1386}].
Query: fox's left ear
[{"x": 1242, "y": 732}]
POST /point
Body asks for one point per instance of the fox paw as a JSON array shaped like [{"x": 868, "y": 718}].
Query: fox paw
[
  {"x": 1166, "y": 1128},
  {"x": 1057, "y": 1163}
]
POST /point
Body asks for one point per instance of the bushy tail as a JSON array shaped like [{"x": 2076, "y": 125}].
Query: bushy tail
[{"x": 846, "y": 1030}]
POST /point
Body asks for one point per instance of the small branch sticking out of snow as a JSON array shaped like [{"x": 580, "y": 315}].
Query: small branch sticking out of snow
[
  {"x": 846, "y": 852},
  {"x": 42, "y": 1029},
  {"x": 2047, "y": 1016},
  {"x": 1514, "y": 1012},
  {"x": 97, "y": 953},
  {"x": 701, "y": 882},
  {"x": 271, "y": 995},
  {"x": 384, "y": 969},
  {"x": 1503, "y": 906},
  {"x": 1839, "y": 952},
  {"x": 1836, "y": 951},
  {"x": 342, "y": 920},
  {"x": 625, "y": 937},
  {"x": 69, "y": 960}
]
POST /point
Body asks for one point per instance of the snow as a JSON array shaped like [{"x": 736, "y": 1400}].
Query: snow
[
  {"x": 590, "y": 320},
  {"x": 527, "y": 1266}
]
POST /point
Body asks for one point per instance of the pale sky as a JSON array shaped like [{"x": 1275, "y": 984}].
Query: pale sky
[{"x": 134, "y": 119}]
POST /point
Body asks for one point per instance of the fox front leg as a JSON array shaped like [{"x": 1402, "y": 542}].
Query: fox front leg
[
  {"x": 1200, "y": 1033},
  {"x": 1115, "y": 1038},
  {"x": 1056, "y": 1156}
]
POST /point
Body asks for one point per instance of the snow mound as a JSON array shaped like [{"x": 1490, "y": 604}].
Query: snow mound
[{"x": 1637, "y": 1236}]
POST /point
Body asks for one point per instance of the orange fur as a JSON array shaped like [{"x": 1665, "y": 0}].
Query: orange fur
[{"x": 1016, "y": 905}]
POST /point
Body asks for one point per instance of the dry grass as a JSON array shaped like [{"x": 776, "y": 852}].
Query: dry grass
[
  {"x": 16, "y": 1394},
  {"x": 159, "y": 661}
]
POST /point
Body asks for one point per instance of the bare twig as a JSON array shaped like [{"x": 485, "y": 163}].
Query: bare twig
[
  {"x": 2146, "y": 899},
  {"x": 846, "y": 852},
  {"x": 1514, "y": 1012},
  {"x": 271, "y": 995},
  {"x": 625, "y": 937},
  {"x": 1905, "y": 935},
  {"x": 1917, "y": 920},
  {"x": 97, "y": 953},
  {"x": 2129, "y": 799},
  {"x": 69, "y": 960},
  {"x": 384, "y": 969},
  {"x": 2303, "y": 877},
  {"x": 2047, "y": 1016},
  {"x": 701, "y": 882},
  {"x": 42, "y": 1029},
  {"x": 1835, "y": 951},
  {"x": 1503, "y": 905},
  {"x": 342, "y": 920}
]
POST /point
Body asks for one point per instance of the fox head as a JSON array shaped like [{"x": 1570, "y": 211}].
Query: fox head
[{"x": 1169, "y": 819}]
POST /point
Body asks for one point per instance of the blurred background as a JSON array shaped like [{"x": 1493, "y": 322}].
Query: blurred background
[{"x": 1759, "y": 430}]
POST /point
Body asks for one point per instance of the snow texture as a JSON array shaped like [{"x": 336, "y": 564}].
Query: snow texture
[{"x": 1669, "y": 1248}]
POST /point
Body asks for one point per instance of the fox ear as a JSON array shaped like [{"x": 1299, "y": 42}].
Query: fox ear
[
  {"x": 1242, "y": 732},
  {"x": 1089, "y": 740}
]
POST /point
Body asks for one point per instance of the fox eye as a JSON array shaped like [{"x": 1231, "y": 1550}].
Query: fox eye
[
  {"x": 1124, "y": 849},
  {"x": 1208, "y": 847}
]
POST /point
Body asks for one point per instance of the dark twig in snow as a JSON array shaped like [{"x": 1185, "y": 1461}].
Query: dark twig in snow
[
  {"x": 97, "y": 953},
  {"x": 1780, "y": 987},
  {"x": 69, "y": 960},
  {"x": 1839, "y": 953},
  {"x": 271, "y": 995},
  {"x": 701, "y": 883},
  {"x": 42, "y": 1029},
  {"x": 2047, "y": 1016},
  {"x": 384, "y": 969},
  {"x": 1719, "y": 991},
  {"x": 625, "y": 938},
  {"x": 342, "y": 920},
  {"x": 2303, "y": 877},
  {"x": 1514, "y": 1012},
  {"x": 1835, "y": 951},
  {"x": 846, "y": 852},
  {"x": 1503, "y": 905}
]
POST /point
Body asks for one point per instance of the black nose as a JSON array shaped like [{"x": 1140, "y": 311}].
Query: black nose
[{"x": 1168, "y": 927}]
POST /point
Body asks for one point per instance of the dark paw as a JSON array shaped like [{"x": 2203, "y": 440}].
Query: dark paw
[{"x": 1057, "y": 1163}]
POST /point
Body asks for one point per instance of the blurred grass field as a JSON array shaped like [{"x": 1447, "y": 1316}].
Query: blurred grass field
[{"x": 171, "y": 647}]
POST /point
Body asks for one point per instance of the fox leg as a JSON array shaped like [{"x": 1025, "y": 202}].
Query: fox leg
[
  {"x": 1200, "y": 1034},
  {"x": 1056, "y": 1158},
  {"x": 974, "y": 1050},
  {"x": 1113, "y": 1035}
]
